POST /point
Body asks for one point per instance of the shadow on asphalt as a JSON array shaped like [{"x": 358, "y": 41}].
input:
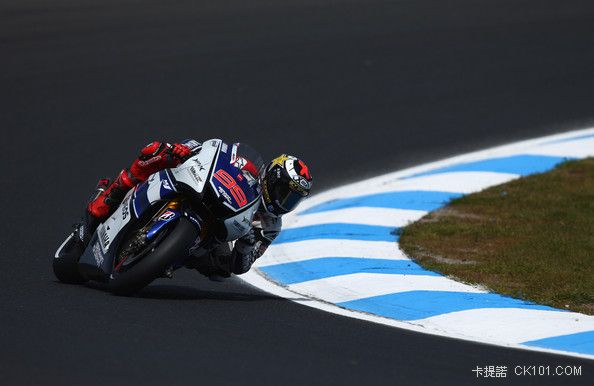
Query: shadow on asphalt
[
  {"x": 190, "y": 293},
  {"x": 179, "y": 292}
]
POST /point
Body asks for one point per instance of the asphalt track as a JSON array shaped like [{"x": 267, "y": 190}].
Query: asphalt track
[{"x": 355, "y": 87}]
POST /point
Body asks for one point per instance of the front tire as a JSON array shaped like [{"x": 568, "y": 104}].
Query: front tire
[{"x": 175, "y": 244}]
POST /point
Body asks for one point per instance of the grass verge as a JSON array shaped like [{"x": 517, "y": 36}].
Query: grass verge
[{"x": 532, "y": 238}]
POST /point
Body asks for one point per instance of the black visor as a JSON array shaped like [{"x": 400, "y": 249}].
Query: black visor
[{"x": 285, "y": 197}]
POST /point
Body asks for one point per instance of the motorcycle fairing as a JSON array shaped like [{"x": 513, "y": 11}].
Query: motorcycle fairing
[
  {"x": 167, "y": 217},
  {"x": 97, "y": 260},
  {"x": 194, "y": 172},
  {"x": 197, "y": 173},
  {"x": 231, "y": 186},
  {"x": 157, "y": 187}
]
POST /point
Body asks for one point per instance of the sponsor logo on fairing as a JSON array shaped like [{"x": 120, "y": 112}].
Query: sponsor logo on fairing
[
  {"x": 166, "y": 216},
  {"x": 224, "y": 194},
  {"x": 104, "y": 238},
  {"x": 97, "y": 254},
  {"x": 125, "y": 210},
  {"x": 199, "y": 165},
  {"x": 194, "y": 174},
  {"x": 81, "y": 232},
  {"x": 238, "y": 225},
  {"x": 166, "y": 185},
  {"x": 246, "y": 220}
]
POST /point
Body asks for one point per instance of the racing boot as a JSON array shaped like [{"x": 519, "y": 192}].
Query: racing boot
[
  {"x": 107, "y": 199},
  {"x": 85, "y": 229},
  {"x": 65, "y": 262}
]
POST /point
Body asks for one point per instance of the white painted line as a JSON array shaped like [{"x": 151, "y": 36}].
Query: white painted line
[
  {"x": 313, "y": 249},
  {"x": 575, "y": 149},
  {"x": 395, "y": 218},
  {"x": 345, "y": 288}
]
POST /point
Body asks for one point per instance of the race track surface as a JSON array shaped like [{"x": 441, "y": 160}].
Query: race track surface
[{"x": 356, "y": 88}]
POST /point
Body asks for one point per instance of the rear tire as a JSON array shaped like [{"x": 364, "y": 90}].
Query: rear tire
[
  {"x": 175, "y": 244},
  {"x": 66, "y": 265}
]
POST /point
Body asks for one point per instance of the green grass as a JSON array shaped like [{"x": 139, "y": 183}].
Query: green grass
[{"x": 532, "y": 238}]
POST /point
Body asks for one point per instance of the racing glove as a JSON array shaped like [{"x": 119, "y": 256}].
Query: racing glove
[
  {"x": 157, "y": 156},
  {"x": 248, "y": 249},
  {"x": 180, "y": 151}
]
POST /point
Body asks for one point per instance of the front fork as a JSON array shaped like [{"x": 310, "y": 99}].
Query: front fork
[
  {"x": 161, "y": 220},
  {"x": 167, "y": 216}
]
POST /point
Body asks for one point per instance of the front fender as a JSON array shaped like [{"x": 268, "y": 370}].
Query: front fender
[{"x": 169, "y": 217}]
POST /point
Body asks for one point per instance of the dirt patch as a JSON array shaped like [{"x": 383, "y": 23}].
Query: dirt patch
[{"x": 443, "y": 259}]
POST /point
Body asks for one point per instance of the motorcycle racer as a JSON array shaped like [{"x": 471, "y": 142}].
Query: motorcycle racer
[{"x": 285, "y": 181}]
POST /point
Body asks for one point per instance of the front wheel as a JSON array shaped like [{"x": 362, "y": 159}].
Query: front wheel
[{"x": 163, "y": 253}]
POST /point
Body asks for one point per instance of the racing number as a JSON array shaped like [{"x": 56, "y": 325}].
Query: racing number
[{"x": 230, "y": 183}]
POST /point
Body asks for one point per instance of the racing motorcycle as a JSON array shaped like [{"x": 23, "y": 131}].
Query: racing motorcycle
[{"x": 176, "y": 218}]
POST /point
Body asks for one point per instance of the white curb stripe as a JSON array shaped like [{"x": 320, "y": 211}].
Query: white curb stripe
[
  {"x": 577, "y": 149},
  {"x": 313, "y": 249},
  {"x": 345, "y": 288},
  {"x": 395, "y": 218},
  {"x": 510, "y": 324}
]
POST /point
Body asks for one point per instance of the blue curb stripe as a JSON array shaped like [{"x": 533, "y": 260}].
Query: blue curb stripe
[
  {"x": 409, "y": 199},
  {"x": 338, "y": 231},
  {"x": 522, "y": 165},
  {"x": 413, "y": 305},
  {"x": 300, "y": 271},
  {"x": 582, "y": 342}
]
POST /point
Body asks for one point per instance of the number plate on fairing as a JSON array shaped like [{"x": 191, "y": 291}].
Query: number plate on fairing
[{"x": 229, "y": 183}]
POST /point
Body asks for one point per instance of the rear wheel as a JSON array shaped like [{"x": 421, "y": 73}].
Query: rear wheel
[
  {"x": 161, "y": 253},
  {"x": 65, "y": 262}
]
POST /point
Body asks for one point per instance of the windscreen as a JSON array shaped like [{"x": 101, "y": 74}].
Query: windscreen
[{"x": 255, "y": 163}]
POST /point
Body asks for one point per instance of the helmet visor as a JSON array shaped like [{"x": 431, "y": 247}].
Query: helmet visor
[{"x": 286, "y": 197}]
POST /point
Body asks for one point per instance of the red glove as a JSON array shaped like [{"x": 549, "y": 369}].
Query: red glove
[
  {"x": 180, "y": 151},
  {"x": 157, "y": 156}
]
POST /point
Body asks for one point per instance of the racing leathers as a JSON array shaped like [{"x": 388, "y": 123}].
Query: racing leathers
[
  {"x": 265, "y": 227},
  {"x": 160, "y": 155}
]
